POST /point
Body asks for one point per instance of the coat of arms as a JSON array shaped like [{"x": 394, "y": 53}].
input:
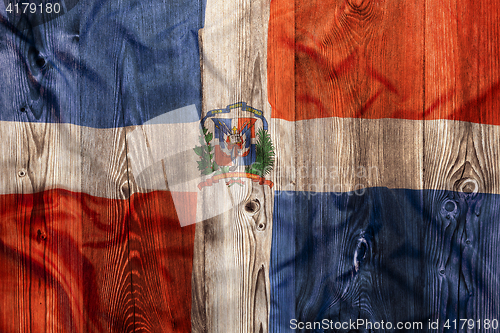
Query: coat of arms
[{"x": 235, "y": 148}]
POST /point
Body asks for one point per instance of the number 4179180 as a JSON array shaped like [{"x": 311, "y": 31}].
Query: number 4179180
[
  {"x": 462, "y": 324},
  {"x": 31, "y": 7}
]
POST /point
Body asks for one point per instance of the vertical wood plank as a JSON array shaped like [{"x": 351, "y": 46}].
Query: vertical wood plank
[
  {"x": 394, "y": 78},
  {"x": 281, "y": 90},
  {"x": 15, "y": 246},
  {"x": 231, "y": 263},
  {"x": 462, "y": 73},
  {"x": 106, "y": 217},
  {"x": 161, "y": 252},
  {"x": 48, "y": 273},
  {"x": 354, "y": 60}
]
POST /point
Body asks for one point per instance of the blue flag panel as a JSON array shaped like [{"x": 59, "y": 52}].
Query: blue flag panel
[
  {"x": 101, "y": 64},
  {"x": 383, "y": 255}
]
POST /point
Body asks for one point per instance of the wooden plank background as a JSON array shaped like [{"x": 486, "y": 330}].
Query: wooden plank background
[
  {"x": 231, "y": 263},
  {"x": 442, "y": 57},
  {"x": 419, "y": 60}
]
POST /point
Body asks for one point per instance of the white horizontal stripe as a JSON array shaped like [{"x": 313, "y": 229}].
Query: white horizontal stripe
[
  {"x": 329, "y": 154},
  {"x": 348, "y": 154},
  {"x": 42, "y": 156}
]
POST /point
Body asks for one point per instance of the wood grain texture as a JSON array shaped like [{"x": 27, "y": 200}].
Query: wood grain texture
[
  {"x": 462, "y": 73},
  {"x": 82, "y": 248},
  {"x": 161, "y": 253},
  {"x": 385, "y": 41},
  {"x": 387, "y": 59},
  {"x": 348, "y": 154},
  {"x": 359, "y": 59},
  {"x": 46, "y": 276},
  {"x": 139, "y": 257},
  {"x": 106, "y": 233},
  {"x": 231, "y": 262},
  {"x": 111, "y": 305},
  {"x": 353, "y": 59}
]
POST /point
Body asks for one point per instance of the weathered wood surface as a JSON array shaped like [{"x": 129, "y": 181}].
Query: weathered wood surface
[
  {"x": 82, "y": 248},
  {"x": 367, "y": 59},
  {"x": 462, "y": 73},
  {"x": 42, "y": 286},
  {"x": 414, "y": 60},
  {"x": 68, "y": 264},
  {"x": 231, "y": 264},
  {"x": 141, "y": 258}
]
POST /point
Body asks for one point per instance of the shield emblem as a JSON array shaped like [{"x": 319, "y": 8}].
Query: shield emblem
[{"x": 234, "y": 141}]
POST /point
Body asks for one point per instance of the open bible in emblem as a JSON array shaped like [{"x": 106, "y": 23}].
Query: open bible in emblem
[{"x": 232, "y": 147}]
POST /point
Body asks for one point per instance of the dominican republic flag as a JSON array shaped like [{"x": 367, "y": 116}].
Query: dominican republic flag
[{"x": 386, "y": 130}]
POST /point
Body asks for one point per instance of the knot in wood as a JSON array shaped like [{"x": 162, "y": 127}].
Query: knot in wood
[
  {"x": 40, "y": 61},
  {"x": 467, "y": 185},
  {"x": 450, "y": 206},
  {"x": 261, "y": 226},
  {"x": 36, "y": 60},
  {"x": 21, "y": 173},
  {"x": 125, "y": 188},
  {"x": 360, "y": 253},
  {"x": 253, "y": 206},
  {"x": 40, "y": 235},
  {"x": 449, "y": 209}
]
